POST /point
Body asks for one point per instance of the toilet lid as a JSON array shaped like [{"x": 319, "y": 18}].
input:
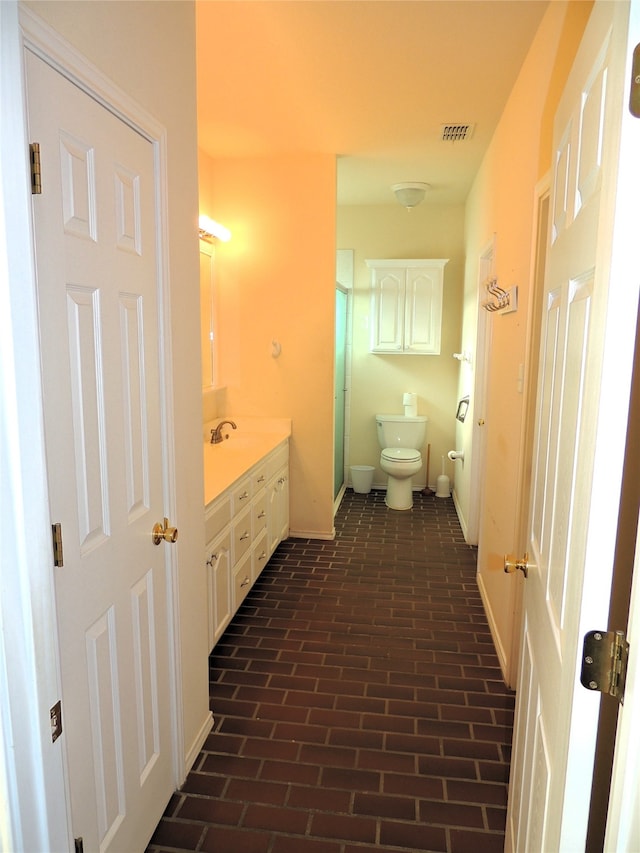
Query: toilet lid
[{"x": 401, "y": 454}]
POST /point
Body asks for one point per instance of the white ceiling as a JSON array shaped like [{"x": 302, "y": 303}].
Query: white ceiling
[{"x": 372, "y": 82}]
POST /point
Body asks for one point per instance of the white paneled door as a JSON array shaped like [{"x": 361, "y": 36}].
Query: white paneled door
[
  {"x": 97, "y": 270},
  {"x": 586, "y": 354}
]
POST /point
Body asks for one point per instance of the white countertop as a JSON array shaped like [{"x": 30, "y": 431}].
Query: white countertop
[{"x": 226, "y": 462}]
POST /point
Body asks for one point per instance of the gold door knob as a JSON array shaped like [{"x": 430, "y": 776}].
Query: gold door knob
[
  {"x": 164, "y": 532},
  {"x": 517, "y": 565}
]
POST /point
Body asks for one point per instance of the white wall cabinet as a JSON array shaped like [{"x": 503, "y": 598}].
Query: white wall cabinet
[
  {"x": 244, "y": 525},
  {"x": 406, "y": 305}
]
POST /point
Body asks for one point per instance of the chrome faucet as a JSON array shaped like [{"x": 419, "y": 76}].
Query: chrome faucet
[{"x": 216, "y": 434}]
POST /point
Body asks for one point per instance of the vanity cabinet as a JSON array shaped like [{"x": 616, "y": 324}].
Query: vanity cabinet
[
  {"x": 244, "y": 525},
  {"x": 406, "y": 305}
]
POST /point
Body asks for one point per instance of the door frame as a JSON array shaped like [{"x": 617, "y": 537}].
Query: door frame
[
  {"x": 33, "y": 814},
  {"x": 337, "y": 498},
  {"x": 486, "y": 268},
  {"x": 540, "y": 248},
  {"x": 36, "y": 813}
]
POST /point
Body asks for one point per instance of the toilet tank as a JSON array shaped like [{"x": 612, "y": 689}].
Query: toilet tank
[{"x": 401, "y": 431}]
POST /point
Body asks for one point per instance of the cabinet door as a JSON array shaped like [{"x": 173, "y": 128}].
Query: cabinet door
[
  {"x": 423, "y": 311},
  {"x": 387, "y": 310},
  {"x": 283, "y": 505},
  {"x": 218, "y": 565},
  {"x": 278, "y": 509}
]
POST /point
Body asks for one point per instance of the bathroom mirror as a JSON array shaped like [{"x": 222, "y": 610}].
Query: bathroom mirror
[{"x": 207, "y": 315}]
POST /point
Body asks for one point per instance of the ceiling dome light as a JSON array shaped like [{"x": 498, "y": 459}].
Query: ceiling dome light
[{"x": 410, "y": 193}]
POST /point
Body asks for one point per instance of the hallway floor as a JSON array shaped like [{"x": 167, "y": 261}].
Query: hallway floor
[{"x": 358, "y": 700}]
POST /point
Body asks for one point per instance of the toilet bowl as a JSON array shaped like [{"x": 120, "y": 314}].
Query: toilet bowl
[{"x": 400, "y": 438}]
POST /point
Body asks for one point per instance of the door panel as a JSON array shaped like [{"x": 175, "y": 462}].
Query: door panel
[{"x": 96, "y": 260}]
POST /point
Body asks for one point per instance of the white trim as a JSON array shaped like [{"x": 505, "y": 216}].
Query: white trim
[
  {"x": 486, "y": 267},
  {"x": 495, "y": 634},
  {"x": 311, "y": 534},
  {"x": 49, "y": 45},
  {"x": 459, "y": 513},
  {"x": 198, "y": 743},
  {"x": 34, "y": 815}
]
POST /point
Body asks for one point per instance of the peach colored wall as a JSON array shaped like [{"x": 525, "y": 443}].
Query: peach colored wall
[
  {"x": 502, "y": 202},
  {"x": 155, "y": 65},
  {"x": 378, "y": 381},
  {"x": 275, "y": 280}
]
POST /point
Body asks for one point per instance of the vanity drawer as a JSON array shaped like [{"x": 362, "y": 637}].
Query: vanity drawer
[
  {"x": 216, "y": 518},
  {"x": 241, "y": 534},
  {"x": 241, "y": 495},
  {"x": 259, "y": 479},
  {"x": 242, "y": 581},
  {"x": 260, "y": 554},
  {"x": 259, "y": 513}
]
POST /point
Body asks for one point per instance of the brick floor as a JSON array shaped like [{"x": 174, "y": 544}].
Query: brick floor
[{"x": 358, "y": 700}]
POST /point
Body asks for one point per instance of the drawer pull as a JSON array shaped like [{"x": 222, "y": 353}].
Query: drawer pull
[
  {"x": 243, "y": 496},
  {"x": 262, "y": 514},
  {"x": 212, "y": 559},
  {"x": 244, "y": 536},
  {"x": 261, "y": 478},
  {"x": 263, "y": 555},
  {"x": 245, "y": 581}
]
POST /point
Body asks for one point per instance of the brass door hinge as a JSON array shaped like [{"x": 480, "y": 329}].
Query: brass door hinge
[
  {"x": 55, "y": 714},
  {"x": 604, "y": 662},
  {"x": 58, "y": 556},
  {"x": 634, "y": 92},
  {"x": 36, "y": 174}
]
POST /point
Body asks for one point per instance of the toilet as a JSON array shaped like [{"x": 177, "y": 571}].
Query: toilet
[{"x": 401, "y": 437}]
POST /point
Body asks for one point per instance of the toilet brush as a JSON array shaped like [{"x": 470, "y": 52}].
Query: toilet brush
[
  {"x": 442, "y": 484},
  {"x": 427, "y": 490}
]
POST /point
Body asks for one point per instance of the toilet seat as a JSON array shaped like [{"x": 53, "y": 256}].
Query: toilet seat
[{"x": 401, "y": 454}]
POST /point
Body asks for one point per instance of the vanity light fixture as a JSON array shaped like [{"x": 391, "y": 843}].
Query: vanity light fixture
[
  {"x": 209, "y": 230},
  {"x": 410, "y": 193}
]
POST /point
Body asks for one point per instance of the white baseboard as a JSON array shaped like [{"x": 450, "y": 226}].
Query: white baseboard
[
  {"x": 502, "y": 657},
  {"x": 198, "y": 743},
  {"x": 312, "y": 534}
]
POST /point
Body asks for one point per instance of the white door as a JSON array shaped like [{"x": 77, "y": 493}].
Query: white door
[
  {"x": 96, "y": 259},
  {"x": 586, "y": 354}
]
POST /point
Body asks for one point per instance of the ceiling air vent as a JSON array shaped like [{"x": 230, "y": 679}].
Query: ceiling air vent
[{"x": 457, "y": 132}]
